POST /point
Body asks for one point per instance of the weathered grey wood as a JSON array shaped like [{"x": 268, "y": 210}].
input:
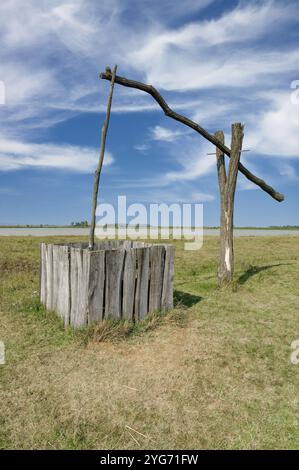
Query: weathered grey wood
[
  {"x": 157, "y": 260},
  {"x": 107, "y": 245},
  {"x": 74, "y": 285},
  {"x": 188, "y": 122},
  {"x": 221, "y": 170},
  {"x": 43, "y": 274},
  {"x": 227, "y": 188},
  {"x": 56, "y": 276},
  {"x": 129, "y": 284},
  {"x": 63, "y": 287},
  {"x": 103, "y": 245},
  {"x": 85, "y": 282},
  {"x": 96, "y": 287},
  {"x": 126, "y": 244},
  {"x": 49, "y": 276},
  {"x": 84, "y": 287},
  {"x": 138, "y": 244},
  {"x": 114, "y": 272},
  {"x": 79, "y": 280},
  {"x": 82, "y": 245},
  {"x": 142, "y": 283},
  {"x": 167, "y": 290},
  {"x": 100, "y": 163}
]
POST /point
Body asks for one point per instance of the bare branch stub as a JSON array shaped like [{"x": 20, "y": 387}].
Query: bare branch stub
[{"x": 188, "y": 122}]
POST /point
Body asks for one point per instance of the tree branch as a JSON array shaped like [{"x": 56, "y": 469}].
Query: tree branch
[
  {"x": 188, "y": 122},
  {"x": 101, "y": 161}
]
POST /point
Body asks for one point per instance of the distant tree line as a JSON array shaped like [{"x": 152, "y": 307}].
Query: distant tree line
[{"x": 83, "y": 223}]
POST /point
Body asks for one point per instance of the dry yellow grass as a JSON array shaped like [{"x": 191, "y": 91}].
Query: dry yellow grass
[{"x": 215, "y": 373}]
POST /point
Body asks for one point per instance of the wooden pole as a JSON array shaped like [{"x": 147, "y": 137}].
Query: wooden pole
[
  {"x": 227, "y": 188},
  {"x": 101, "y": 159},
  {"x": 188, "y": 122},
  {"x": 222, "y": 187}
]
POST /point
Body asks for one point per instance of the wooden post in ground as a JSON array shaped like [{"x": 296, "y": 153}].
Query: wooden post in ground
[
  {"x": 101, "y": 160},
  {"x": 227, "y": 187}
]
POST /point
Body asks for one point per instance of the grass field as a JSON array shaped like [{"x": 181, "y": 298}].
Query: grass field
[{"x": 213, "y": 373}]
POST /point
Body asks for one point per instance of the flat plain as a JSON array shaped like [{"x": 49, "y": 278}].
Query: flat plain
[{"x": 213, "y": 373}]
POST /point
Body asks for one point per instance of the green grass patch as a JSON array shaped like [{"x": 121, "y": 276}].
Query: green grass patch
[{"x": 213, "y": 373}]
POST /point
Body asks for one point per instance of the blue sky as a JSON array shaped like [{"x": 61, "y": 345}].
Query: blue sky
[{"x": 215, "y": 61}]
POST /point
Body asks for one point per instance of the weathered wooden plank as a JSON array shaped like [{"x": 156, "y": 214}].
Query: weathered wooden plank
[
  {"x": 126, "y": 244},
  {"x": 82, "y": 245},
  {"x": 43, "y": 273},
  {"x": 111, "y": 245},
  {"x": 96, "y": 286},
  {"x": 114, "y": 271},
  {"x": 84, "y": 286},
  {"x": 49, "y": 276},
  {"x": 103, "y": 245},
  {"x": 167, "y": 289},
  {"x": 63, "y": 286},
  {"x": 79, "y": 279},
  {"x": 157, "y": 256},
  {"x": 138, "y": 244},
  {"x": 56, "y": 276},
  {"x": 129, "y": 282},
  {"x": 142, "y": 283},
  {"x": 74, "y": 285}
]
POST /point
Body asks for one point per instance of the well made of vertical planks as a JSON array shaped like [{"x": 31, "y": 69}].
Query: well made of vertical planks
[{"x": 118, "y": 279}]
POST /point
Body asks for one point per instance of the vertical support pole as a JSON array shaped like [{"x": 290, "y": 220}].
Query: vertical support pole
[
  {"x": 101, "y": 160},
  {"x": 227, "y": 188}
]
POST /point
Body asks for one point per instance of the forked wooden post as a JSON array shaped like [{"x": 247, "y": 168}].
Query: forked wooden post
[
  {"x": 227, "y": 188},
  {"x": 101, "y": 160}
]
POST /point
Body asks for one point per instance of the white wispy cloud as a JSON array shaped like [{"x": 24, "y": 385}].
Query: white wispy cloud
[
  {"x": 52, "y": 52},
  {"x": 253, "y": 20},
  {"x": 166, "y": 134},
  {"x": 178, "y": 194},
  {"x": 203, "y": 197},
  {"x": 141, "y": 147},
  {"x": 193, "y": 162},
  {"x": 288, "y": 171},
  {"x": 275, "y": 130},
  {"x": 207, "y": 54},
  {"x": 15, "y": 155}
]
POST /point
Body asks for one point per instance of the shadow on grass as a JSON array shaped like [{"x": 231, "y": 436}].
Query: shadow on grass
[
  {"x": 255, "y": 270},
  {"x": 185, "y": 299}
]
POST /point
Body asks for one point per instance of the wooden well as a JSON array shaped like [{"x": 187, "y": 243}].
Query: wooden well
[{"x": 118, "y": 279}]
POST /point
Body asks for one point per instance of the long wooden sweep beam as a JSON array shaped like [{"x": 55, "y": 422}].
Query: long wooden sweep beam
[{"x": 107, "y": 75}]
